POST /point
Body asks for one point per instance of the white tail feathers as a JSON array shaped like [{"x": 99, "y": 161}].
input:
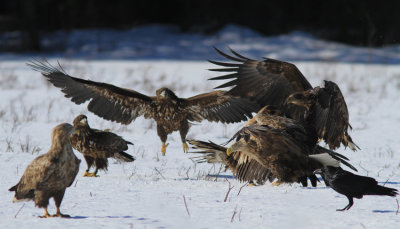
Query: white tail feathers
[{"x": 325, "y": 159}]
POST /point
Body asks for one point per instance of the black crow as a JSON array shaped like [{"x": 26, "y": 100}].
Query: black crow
[{"x": 352, "y": 185}]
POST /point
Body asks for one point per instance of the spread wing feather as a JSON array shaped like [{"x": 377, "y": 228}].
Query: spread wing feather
[
  {"x": 219, "y": 106},
  {"x": 106, "y": 100},
  {"x": 267, "y": 82},
  {"x": 332, "y": 116}
]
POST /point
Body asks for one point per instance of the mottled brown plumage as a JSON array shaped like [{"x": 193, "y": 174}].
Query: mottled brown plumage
[
  {"x": 170, "y": 112},
  {"x": 97, "y": 146},
  {"x": 271, "y": 146},
  {"x": 51, "y": 173},
  {"x": 281, "y": 84}
]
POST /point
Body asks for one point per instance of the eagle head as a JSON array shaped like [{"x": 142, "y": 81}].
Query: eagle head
[
  {"x": 62, "y": 132},
  {"x": 305, "y": 99},
  {"x": 166, "y": 93},
  {"x": 80, "y": 120},
  {"x": 270, "y": 109}
]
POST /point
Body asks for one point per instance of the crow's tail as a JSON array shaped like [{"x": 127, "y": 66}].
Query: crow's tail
[{"x": 384, "y": 191}]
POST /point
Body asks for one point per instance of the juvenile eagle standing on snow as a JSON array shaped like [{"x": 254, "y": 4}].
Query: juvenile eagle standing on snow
[
  {"x": 50, "y": 174},
  {"x": 96, "y": 145},
  {"x": 281, "y": 84},
  {"x": 170, "y": 112}
]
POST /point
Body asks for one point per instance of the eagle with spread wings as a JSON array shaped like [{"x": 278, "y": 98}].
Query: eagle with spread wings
[
  {"x": 50, "y": 174},
  {"x": 271, "y": 147},
  {"x": 170, "y": 112},
  {"x": 281, "y": 84}
]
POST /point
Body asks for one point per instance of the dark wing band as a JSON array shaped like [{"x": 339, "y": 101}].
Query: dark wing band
[{"x": 218, "y": 106}]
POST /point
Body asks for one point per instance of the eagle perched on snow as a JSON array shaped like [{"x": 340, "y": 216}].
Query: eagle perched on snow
[
  {"x": 50, "y": 174},
  {"x": 96, "y": 145},
  {"x": 170, "y": 112},
  {"x": 281, "y": 84},
  {"x": 273, "y": 147}
]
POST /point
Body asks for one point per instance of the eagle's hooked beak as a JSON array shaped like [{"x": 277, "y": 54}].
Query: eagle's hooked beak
[
  {"x": 291, "y": 99},
  {"x": 317, "y": 171},
  {"x": 228, "y": 151},
  {"x": 84, "y": 121},
  {"x": 163, "y": 93}
]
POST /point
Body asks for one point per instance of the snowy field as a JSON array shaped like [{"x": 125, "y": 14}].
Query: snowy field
[{"x": 151, "y": 192}]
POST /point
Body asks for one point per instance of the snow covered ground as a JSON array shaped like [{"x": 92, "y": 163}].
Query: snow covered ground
[{"x": 151, "y": 192}]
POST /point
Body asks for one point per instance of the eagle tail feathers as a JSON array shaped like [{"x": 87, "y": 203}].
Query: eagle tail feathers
[{"x": 124, "y": 157}]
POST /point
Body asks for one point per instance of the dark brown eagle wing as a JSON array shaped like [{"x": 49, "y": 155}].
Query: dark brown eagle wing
[
  {"x": 267, "y": 82},
  {"x": 332, "y": 117},
  {"x": 107, "y": 141},
  {"x": 36, "y": 174},
  {"x": 106, "y": 100},
  {"x": 218, "y": 106}
]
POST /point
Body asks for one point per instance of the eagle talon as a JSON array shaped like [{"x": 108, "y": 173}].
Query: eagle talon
[
  {"x": 46, "y": 214},
  {"x": 87, "y": 174},
  {"x": 185, "y": 147},
  {"x": 61, "y": 215},
  {"x": 164, "y": 148},
  {"x": 276, "y": 183}
]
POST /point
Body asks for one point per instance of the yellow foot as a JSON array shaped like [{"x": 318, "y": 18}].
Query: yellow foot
[
  {"x": 45, "y": 216},
  {"x": 276, "y": 183},
  {"x": 86, "y": 174},
  {"x": 164, "y": 148},
  {"x": 185, "y": 147},
  {"x": 61, "y": 215}
]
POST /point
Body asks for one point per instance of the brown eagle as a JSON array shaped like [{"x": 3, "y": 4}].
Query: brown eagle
[
  {"x": 170, "y": 112},
  {"x": 281, "y": 84},
  {"x": 97, "y": 145},
  {"x": 271, "y": 146},
  {"x": 50, "y": 174}
]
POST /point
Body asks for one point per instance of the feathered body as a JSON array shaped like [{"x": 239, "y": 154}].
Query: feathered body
[
  {"x": 170, "y": 112},
  {"x": 50, "y": 174},
  {"x": 352, "y": 185},
  {"x": 97, "y": 146},
  {"x": 281, "y": 84},
  {"x": 271, "y": 146}
]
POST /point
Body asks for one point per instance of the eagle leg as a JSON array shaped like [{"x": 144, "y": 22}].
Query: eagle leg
[
  {"x": 185, "y": 147},
  {"x": 347, "y": 206},
  {"x": 183, "y": 130},
  {"x": 46, "y": 214},
  {"x": 164, "y": 148},
  {"x": 87, "y": 174},
  {"x": 59, "y": 214},
  {"x": 276, "y": 183}
]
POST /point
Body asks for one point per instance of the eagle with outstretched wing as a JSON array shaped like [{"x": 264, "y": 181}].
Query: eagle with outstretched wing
[
  {"x": 271, "y": 146},
  {"x": 170, "y": 112},
  {"x": 281, "y": 84},
  {"x": 50, "y": 174},
  {"x": 97, "y": 146}
]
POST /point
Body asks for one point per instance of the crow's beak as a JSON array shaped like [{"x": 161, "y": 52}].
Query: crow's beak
[{"x": 317, "y": 171}]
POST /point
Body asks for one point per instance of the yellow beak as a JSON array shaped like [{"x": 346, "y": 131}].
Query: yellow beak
[{"x": 228, "y": 151}]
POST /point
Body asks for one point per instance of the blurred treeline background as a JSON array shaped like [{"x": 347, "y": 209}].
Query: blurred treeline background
[{"x": 363, "y": 23}]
